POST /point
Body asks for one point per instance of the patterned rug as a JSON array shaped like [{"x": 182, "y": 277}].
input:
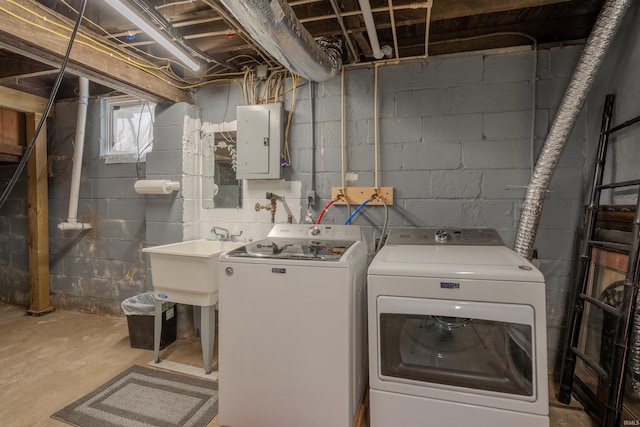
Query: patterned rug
[{"x": 141, "y": 397}]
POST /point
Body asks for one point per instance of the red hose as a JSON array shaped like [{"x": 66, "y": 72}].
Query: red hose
[{"x": 324, "y": 210}]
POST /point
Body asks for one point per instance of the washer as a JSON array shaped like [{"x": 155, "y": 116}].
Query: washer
[
  {"x": 293, "y": 328},
  {"x": 457, "y": 332}
]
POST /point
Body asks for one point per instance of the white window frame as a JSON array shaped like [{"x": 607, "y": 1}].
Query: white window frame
[{"x": 136, "y": 134}]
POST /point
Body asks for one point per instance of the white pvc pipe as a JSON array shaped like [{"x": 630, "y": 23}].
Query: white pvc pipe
[
  {"x": 74, "y": 226},
  {"x": 367, "y": 14},
  {"x": 74, "y": 194}
]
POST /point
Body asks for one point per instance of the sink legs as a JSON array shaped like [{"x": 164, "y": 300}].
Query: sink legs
[
  {"x": 207, "y": 333},
  {"x": 157, "y": 331}
]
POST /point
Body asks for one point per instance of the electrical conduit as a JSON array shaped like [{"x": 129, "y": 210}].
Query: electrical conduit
[{"x": 81, "y": 122}]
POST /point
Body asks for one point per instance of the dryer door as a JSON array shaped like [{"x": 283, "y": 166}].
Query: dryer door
[{"x": 484, "y": 348}]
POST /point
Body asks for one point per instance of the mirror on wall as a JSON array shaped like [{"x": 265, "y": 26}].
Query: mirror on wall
[{"x": 220, "y": 188}]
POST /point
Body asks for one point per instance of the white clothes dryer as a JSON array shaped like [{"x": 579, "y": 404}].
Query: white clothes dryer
[
  {"x": 457, "y": 332},
  {"x": 293, "y": 328}
]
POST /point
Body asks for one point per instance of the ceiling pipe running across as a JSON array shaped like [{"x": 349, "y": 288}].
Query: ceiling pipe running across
[
  {"x": 274, "y": 25},
  {"x": 586, "y": 70},
  {"x": 367, "y": 14}
]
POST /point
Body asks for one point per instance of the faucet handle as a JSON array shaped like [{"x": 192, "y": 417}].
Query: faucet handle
[{"x": 233, "y": 236}]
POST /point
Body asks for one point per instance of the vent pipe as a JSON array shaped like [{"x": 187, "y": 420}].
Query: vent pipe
[
  {"x": 274, "y": 25},
  {"x": 586, "y": 70}
]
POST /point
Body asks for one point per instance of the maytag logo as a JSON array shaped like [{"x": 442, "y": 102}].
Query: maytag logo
[
  {"x": 449, "y": 285},
  {"x": 279, "y": 270}
]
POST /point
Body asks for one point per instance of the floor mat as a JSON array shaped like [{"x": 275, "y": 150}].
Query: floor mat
[{"x": 141, "y": 397}]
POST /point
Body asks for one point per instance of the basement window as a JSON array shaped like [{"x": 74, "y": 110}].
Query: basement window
[{"x": 127, "y": 125}]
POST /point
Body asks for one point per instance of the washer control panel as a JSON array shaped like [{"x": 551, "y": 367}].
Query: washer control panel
[
  {"x": 444, "y": 236},
  {"x": 320, "y": 231}
]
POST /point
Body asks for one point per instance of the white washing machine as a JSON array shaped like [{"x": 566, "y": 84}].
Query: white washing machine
[
  {"x": 292, "y": 337},
  {"x": 457, "y": 332}
]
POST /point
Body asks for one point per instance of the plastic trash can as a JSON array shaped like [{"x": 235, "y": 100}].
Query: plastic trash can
[{"x": 140, "y": 312}]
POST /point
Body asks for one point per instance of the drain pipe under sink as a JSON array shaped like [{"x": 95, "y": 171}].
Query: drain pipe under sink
[{"x": 81, "y": 122}]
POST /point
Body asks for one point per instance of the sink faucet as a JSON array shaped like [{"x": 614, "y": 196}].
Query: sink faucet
[{"x": 224, "y": 235}]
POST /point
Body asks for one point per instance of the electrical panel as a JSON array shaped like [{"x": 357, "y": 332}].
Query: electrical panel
[{"x": 259, "y": 141}]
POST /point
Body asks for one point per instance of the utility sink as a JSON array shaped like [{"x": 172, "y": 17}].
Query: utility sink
[{"x": 187, "y": 272}]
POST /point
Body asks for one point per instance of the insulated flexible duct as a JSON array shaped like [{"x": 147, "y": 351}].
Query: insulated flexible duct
[
  {"x": 592, "y": 56},
  {"x": 274, "y": 25}
]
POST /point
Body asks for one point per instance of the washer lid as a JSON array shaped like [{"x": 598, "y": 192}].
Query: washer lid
[
  {"x": 469, "y": 262},
  {"x": 306, "y": 249}
]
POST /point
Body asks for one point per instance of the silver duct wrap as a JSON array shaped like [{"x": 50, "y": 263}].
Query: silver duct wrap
[
  {"x": 592, "y": 56},
  {"x": 274, "y": 25}
]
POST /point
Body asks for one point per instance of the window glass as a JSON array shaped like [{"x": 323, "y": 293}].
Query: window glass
[{"x": 127, "y": 130}]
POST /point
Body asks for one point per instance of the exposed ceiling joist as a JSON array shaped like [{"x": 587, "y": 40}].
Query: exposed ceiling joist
[
  {"x": 18, "y": 33},
  {"x": 209, "y": 32},
  {"x": 23, "y": 76},
  {"x": 22, "y": 102},
  {"x": 459, "y": 8}
]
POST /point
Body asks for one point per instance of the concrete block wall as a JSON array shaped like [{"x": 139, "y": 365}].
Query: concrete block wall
[
  {"x": 90, "y": 271},
  {"x": 164, "y": 213},
  {"x": 94, "y": 270},
  {"x": 455, "y": 142},
  {"x": 246, "y": 220},
  {"x": 14, "y": 240}
]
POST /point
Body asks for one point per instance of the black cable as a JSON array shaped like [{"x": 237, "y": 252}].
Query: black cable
[
  {"x": 138, "y": 168},
  {"x": 45, "y": 113}
]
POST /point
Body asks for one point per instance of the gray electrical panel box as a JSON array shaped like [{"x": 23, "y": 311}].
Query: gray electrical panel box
[{"x": 259, "y": 141}]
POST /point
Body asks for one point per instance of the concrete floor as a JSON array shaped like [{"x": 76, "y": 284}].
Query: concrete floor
[{"x": 50, "y": 361}]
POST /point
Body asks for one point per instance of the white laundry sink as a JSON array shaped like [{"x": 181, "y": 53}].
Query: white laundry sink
[{"x": 187, "y": 272}]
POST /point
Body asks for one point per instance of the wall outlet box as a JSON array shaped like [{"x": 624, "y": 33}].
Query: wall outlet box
[{"x": 311, "y": 198}]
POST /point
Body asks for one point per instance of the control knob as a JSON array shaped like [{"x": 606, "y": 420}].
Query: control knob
[{"x": 442, "y": 236}]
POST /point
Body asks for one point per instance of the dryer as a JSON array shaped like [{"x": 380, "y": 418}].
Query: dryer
[
  {"x": 457, "y": 332},
  {"x": 293, "y": 328}
]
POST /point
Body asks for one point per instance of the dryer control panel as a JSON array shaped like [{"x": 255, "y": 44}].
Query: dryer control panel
[{"x": 444, "y": 236}]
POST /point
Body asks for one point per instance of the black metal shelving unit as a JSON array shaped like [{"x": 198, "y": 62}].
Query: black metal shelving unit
[{"x": 607, "y": 409}]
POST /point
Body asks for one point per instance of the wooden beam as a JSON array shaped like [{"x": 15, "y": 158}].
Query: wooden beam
[
  {"x": 11, "y": 131},
  {"x": 11, "y": 149},
  {"x": 23, "y": 102},
  {"x": 9, "y": 158},
  {"x": 38, "y": 213},
  {"x": 450, "y": 9},
  {"x": 18, "y": 34}
]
